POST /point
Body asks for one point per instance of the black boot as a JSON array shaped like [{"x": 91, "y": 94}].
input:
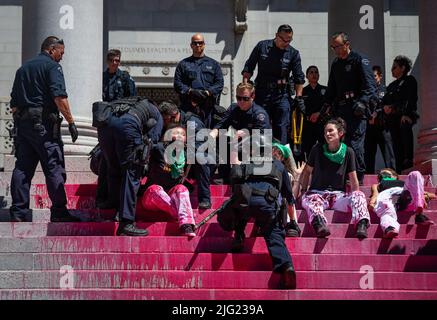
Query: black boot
[
  {"x": 288, "y": 278},
  {"x": 362, "y": 226},
  {"x": 205, "y": 205},
  {"x": 320, "y": 227},
  {"x": 292, "y": 229},
  {"x": 128, "y": 228},
  {"x": 238, "y": 242}
]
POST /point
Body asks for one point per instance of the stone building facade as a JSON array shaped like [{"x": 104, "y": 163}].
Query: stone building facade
[{"x": 154, "y": 36}]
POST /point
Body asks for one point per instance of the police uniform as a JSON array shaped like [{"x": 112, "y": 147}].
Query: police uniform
[
  {"x": 378, "y": 133},
  {"x": 312, "y": 132},
  {"x": 120, "y": 141},
  {"x": 118, "y": 85},
  {"x": 254, "y": 118},
  {"x": 402, "y": 95},
  {"x": 351, "y": 83},
  {"x": 38, "y": 139},
  {"x": 275, "y": 65},
  {"x": 202, "y": 73},
  {"x": 262, "y": 203}
]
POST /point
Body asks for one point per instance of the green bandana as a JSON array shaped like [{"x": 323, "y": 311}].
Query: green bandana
[
  {"x": 388, "y": 179},
  {"x": 177, "y": 168},
  {"x": 336, "y": 157},
  {"x": 286, "y": 152}
]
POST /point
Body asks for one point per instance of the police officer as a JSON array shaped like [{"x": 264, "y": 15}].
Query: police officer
[
  {"x": 257, "y": 195},
  {"x": 377, "y": 132},
  {"x": 122, "y": 142},
  {"x": 350, "y": 87},
  {"x": 314, "y": 96},
  {"x": 276, "y": 59},
  {"x": 117, "y": 84},
  {"x": 199, "y": 81},
  {"x": 38, "y": 95},
  {"x": 245, "y": 114},
  {"x": 400, "y": 106},
  {"x": 202, "y": 173}
]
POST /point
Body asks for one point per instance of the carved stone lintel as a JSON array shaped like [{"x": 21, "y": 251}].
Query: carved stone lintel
[{"x": 240, "y": 16}]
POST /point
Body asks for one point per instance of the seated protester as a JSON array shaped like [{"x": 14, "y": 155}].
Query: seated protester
[
  {"x": 331, "y": 164},
  {"x": 257, "y": 196},
  {"x": 284, "y": 154},
  {"x": 202, "y": 173},
  {"x": 164, "y": 189},
  {"x": 391, "y": 195}
]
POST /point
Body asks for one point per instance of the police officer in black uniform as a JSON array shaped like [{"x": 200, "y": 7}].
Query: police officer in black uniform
[
  {"x": 122, "y": 141},
  {"x": 38, "y": 95},
  {"x": 257, "y": 191},
  {"x": 117, "y": 84},
  {"x": 377, "y": 132},
  {"x": 245, "y": 114},
  {"x": 202, "y": 173},
  {"x": 351, "y": 85},
  {"x": 400, "y": 106},
  {"x": 314, "y": 96},
  {"x": 199, "y": 82},
  {"x": 276, "y": 59}
]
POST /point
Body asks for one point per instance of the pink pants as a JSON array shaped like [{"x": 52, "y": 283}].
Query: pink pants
[
  {"x": 385, "y": 208},
  {"x": 176, "y": 203},
  {"x": 314, "y": 202}
]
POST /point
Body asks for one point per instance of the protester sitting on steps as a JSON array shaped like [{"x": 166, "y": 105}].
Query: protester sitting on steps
[
  {"x": 284, "y": 154},
  {"x": 165, "y": 191},
  {"x": 392, "y": 195},
  {"x": 331, "y": 164}
]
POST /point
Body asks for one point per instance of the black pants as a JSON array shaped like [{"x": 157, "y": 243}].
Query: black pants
[
  {"x": 35, "y": 143},
  {"x": 355, "y": 136},
  {"x": 266, "y": 218},
  {"x": 403, "y": 144},
  {"x": 378, "y": 136}
]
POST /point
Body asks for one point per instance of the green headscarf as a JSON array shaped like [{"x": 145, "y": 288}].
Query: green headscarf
[
  {"x": 338, "y": 156},
  {"x": 178, "y": 164},
  {"x": 286, "y": 152}
]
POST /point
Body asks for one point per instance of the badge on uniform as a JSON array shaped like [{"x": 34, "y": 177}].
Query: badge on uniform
[
  {"x": 60, "y": 70},
  {"x": 322, "y": 92},
  {"x": 261, "y": 117},
  {"x": 366, "y": 62},
  {"x": 348, "y": 68}
]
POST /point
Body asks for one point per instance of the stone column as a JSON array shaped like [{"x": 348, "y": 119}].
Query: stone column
[
  {"x": 363, "y": 21},
  {"x": 426, "y": 152},
  {"x": 80, "y": 24}
]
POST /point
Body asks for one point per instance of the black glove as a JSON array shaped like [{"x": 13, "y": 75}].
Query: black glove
[
  {"x": 73, "y": 132},
  {"x": 299, "y": 104},
  {"x": 360, "y": 110},
  {"x": 198, "y": 96}
]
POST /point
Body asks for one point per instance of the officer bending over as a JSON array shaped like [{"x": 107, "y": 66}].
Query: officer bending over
[
  {"x": 202, "y": 173},
  {"x": 123, "y": 140},
  {"x": 38, "y": 95}
]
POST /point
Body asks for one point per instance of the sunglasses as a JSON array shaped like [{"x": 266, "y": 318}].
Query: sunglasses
[
  {"x": 114, "y": 60},
  {"x": 197, "y": 43},
  {"x": 284, "y": 40},
  {"x": 240, "y": 98}
]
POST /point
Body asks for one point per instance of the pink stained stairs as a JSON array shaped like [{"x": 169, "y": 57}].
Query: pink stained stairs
[{"x": 166, "y": 265}]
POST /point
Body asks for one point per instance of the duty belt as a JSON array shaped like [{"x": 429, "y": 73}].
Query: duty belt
[
  {"x": 272, "y": 85},
  {"x": 258, "y": 192}
]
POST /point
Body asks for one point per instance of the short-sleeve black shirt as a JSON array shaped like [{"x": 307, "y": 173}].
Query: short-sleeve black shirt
[{"x": 328, "y": 175}]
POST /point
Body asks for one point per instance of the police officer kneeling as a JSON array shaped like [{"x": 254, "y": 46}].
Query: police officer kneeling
[
  {"x": 123, "y": 128},
  {"x": 258, "y": 196}
]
